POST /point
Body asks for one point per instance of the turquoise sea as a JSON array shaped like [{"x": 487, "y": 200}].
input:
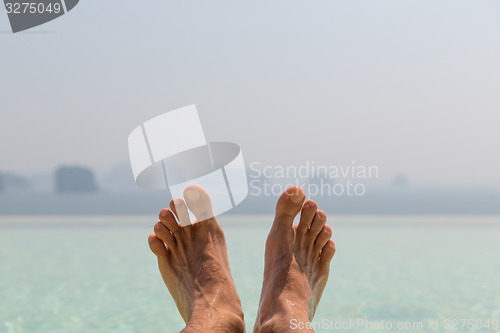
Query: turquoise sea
[{"x": 96, "y": 274}]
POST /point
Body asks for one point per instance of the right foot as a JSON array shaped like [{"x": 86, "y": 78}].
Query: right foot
[
  {"x": 297, "y": 264},
  {"x": 194, "y": 265}
]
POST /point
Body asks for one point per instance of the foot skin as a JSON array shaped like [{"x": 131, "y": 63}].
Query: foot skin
[
  {"x": 194, "y": 265},
  {"x": 297, "y": 264}
]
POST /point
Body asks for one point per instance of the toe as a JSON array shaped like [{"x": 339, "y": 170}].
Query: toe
[
  {"x": 168, "y": 220},
  {"x": 181, "y": 212},
  {"x": 288, "y": 206},
  {"x": 174, "y": 211},
  {"x": 306, "y": 216},
  {"x": 172, "y": 207},
  {"x": 164, "y": 234},
  {"x": 157, "y": 246},
  {"x": 317, "y": 224},
  {"x": 199, "y": 202},
  {"x": 324, "y": 235},
  {"x": 327, "y": 254}
]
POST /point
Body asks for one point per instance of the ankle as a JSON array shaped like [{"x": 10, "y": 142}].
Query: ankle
[
  {"x": 276, "y": 314},
  {"x": 217, "y": 319},
  {"x": 283, "y": 323},
  {"x": 230, "y": 323}
]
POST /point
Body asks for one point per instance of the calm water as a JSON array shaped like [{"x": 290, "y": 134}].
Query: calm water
[{"x": 96, "y": 274}]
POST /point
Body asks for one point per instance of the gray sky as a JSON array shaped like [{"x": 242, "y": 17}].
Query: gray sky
[{"x": 410, "y": 86}]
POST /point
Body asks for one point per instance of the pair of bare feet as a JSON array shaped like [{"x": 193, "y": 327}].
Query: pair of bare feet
[{"x": 194, "y": 265}]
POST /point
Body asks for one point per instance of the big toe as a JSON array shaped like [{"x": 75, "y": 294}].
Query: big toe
[
  {"x": 199, "y": 202},
  {"x": 288, "y": 206}
]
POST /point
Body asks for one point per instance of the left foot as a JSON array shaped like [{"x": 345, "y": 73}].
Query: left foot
[{"x": 194, "y": 265}]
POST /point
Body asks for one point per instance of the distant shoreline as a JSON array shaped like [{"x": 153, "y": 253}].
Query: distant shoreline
[{"x": 377, "y": 201}]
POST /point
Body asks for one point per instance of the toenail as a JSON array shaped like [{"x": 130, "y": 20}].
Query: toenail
[
  {"x": 322, "y": 214},
  {"x": 163, "y": 213},
  {"x": 192, "y": 195},
  {"x": 296, "y": 197}
]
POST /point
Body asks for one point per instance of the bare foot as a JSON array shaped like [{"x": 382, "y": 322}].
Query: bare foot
[
  {"x": 297, "y": 264},
  {"x": 194, "y": 265}
]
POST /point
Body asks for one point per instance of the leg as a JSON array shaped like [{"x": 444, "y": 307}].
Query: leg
[
  {"x": 297, "y": 264},
  {"x": 194, "y": 265}
]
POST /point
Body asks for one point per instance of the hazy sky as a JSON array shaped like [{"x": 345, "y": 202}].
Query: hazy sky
[{"x": 410, "y": 86}]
